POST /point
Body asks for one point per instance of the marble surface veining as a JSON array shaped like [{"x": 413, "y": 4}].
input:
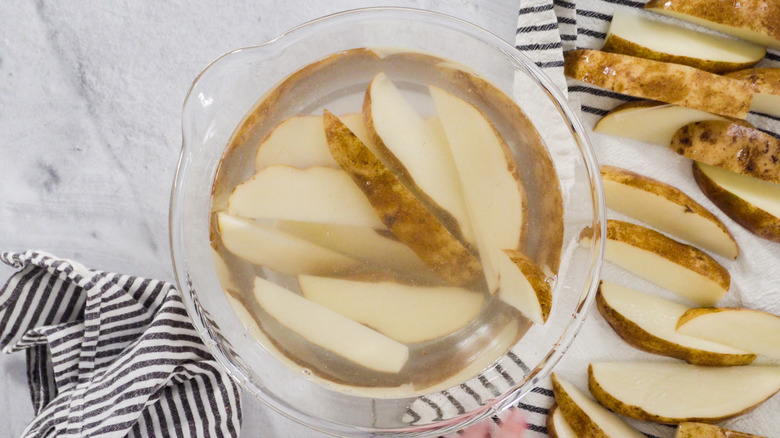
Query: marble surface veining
[{"x": 90, "y": 104}]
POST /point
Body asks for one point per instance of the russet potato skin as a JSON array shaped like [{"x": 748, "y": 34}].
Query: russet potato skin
[
  {"x": 616, "y": 44},
  {"x": 575, "y": 416},
  {"x": 762, "y": 80},
  {"x": 752, "y": 218},
  {"x": 759, "y": 16},
  {"x": 731, "y": 146},
  {"x": 637, "y": 337},
  {"x": 703, "y": 430},
  {"x": 667, "y": 82},
  {"x": 399, "y": 209}
]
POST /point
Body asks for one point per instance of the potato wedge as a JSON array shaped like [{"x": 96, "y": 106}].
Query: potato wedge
[
  {"x": 344, "y": 337},
  {"x": 750, "y": 202},
  {"x": 279, "y": 251},
  {"x": 751, "y": 330},
  {"x": 666, "y": 208},
  {"x": 399, "y": 209},
  {"x": 402, "y": 312},
  {"x": 673, "y": 392},
  {"x": 731, "y": 146},
  {"x": 524, "y": 286},
  {"x": 754, "y": 21},
  {"x": 675, "y": 266},
  {"x": 649, "y": 324},
  {"x": 672, "y": 83},
  {"x": 634, "y": 35}
]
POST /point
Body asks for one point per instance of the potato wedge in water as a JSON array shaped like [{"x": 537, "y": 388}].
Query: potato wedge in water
[{"x": 400, "y": 210}]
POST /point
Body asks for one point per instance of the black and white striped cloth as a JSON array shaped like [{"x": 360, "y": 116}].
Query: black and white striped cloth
[{"x": 111, "y": 355}]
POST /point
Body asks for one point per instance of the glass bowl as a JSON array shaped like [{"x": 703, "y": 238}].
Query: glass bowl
[{"x": 224, "y": 96}]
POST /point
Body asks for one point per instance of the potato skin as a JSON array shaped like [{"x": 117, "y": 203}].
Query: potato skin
[
  {"x": 399, "y": 209},
  {"x": 703, "y": 430},
  {"x": 637, "y": 337},
  {"x": 535, "y": 277},
  {"x": 579, "y": 421},
  {"x": 671, "y": 83},
  {"x": 616, "y": 44},
  {"x": 752, "y": 218},
  {"x": 762, "y": 80},
  {"x": 731, "y": 146}
]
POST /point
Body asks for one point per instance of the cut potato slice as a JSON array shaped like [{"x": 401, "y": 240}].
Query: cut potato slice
[
  {"x": 649, "y": 323},
  {"x": 557, "y": 427},
  {"x": 667, "y": 209},
  {"x": 257, "y": 333},
  {"x": 732, "y": 146},
  {"x": 703, "y": 430},
  {"x": 362, "y": 243},
  {"x": 751, "y": 330},
  {"x": 667, "y": 82},
  {"x": 410, "y": 148},
  {"x": 766, "y": 86},
  {"x": 279, "y": 251},
  {"x": 754, "y": 21},
  {"x": 402, "y": 312},
  {"x": 675, "y": 266},
  {"x": 524, "y": 286},
  {"x": 671, "y": 392},
  {"x": 752, "y": 203},
  {"x": 329, "y": 330},
  {"x": 586, "y": 417},
  {"x": 651, "y": 122},
  {"x": 399, "y": 209},
  {"x": 488, "y": 175},
  {"x": 637, "y": 36},
  {"x": 300, "y": 142},
  {"x": 316, "y": 194}
]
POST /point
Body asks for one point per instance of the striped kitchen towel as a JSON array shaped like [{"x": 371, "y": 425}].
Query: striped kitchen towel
[{"x": 111, "y": 355}]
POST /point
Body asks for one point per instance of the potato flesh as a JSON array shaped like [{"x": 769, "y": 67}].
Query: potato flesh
[
  {"x": 517, "y": 291},
  {"x": 680, "y": 391},
  {"x": 344, "y": 337},
  {"x": 316, "y": 194},
  {"x": 279, "y": 251},
  {"x": 766, "y": 103},
  {"x": 562, "y": 428},
  {"x": 751, "y": 330},
  {"x": 609, "y": 423},
  {"x": 762, "y": 194},
  {"x": 652, "y": 124},
  {"x": 402, "y": 312},
  {"x": 671, "y": 217},
  {"x": 674, "y": 40},
  {"x": 300, "y": 142},
  {"x": 658, "y": 317}
]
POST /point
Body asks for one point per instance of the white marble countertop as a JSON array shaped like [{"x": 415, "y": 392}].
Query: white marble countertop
[{"x": 90, "y": 105}]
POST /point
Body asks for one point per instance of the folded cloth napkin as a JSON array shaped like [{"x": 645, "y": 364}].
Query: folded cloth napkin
[{"x": 111, "y": 355}]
